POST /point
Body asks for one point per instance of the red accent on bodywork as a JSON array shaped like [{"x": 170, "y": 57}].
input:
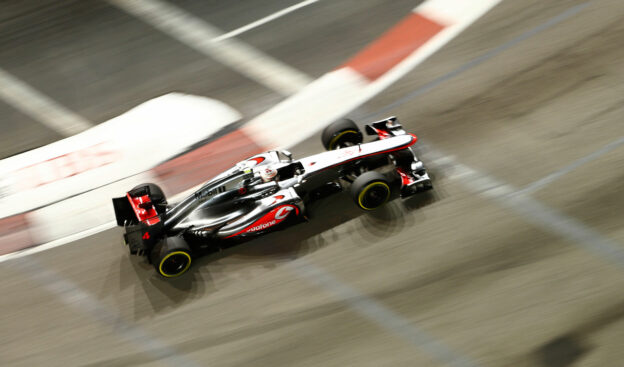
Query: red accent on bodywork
[
  {"x": 270, "y": 219},
  {"x": 258, "y": 160},
  {"x": 143, "y": 209},
  {"x": 406, "y": 179},
  {"x": 276, "y": 198},
  {"x": 383, "y": 134}
]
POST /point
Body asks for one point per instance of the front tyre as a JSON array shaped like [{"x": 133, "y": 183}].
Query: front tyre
[
  {"x": 340, "y": 134},
  {"x": 370, "y": 190},
  {"x": 171, "y": 257}
]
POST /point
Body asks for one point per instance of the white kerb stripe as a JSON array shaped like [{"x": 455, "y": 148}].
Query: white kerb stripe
[
  {"x": 199, "y": 35},
  {"x": 40, "y": 107},
  {"x": 265, "y": 20}
]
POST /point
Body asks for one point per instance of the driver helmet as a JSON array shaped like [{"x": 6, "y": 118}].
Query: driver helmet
[{"x": 268, "y": 173}]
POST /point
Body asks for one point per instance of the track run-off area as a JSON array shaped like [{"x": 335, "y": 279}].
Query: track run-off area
[{"x": 515, "y": 259}]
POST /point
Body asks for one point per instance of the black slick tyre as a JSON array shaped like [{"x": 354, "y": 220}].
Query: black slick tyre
[
  {"x": 370, "y": 190},
  {"x": 403, "y": 158},
  {"x": 340, "y": 134},
  {"x": 171, "y": 257}
]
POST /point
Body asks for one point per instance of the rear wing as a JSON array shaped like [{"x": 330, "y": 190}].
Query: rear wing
[
  {"x": 136, "y": 206},
  {"x": 386, "y": 128},
  {"x": 137, "y": 214}
]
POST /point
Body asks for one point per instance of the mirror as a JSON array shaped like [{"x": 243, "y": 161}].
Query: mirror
[{"x": 287, "y": 154}]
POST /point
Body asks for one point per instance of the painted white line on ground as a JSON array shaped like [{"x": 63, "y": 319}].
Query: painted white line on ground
[
  {"x": 75, "y": 298},
  {"x": 264, "y": 20},
  {"x": 379, "y": 314},
  {"x": 56, "y": 243},
  {"x": 532, "y": 210},
  {"x": 199, "y": 35},
  {"x": 513, "y": 198},
  {"x": 40, "y": 107},
  {"x": 530, "y": 188}
]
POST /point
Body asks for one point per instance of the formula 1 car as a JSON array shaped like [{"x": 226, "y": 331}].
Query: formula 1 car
[{"x": 268, "y": 192}]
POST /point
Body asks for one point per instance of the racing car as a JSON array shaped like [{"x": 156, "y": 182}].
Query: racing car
[{"x": 268, "y": 192}]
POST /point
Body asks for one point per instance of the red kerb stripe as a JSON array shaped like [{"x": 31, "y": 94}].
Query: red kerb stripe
[
  {"x": 14, "y": 234},
  {"x": 394, "y": 46},
  {"x": 203, "y": 163}
]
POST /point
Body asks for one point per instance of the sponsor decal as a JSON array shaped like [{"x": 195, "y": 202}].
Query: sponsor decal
[
  {"x": 66, "y": 165},
  {"x": 262, "y": 226},
  {"x": 348, "y": 152},
  {"x": 208, "y": 193},
  {"x": 283, "y": 212},
  {"x": 272, "y": 218}
]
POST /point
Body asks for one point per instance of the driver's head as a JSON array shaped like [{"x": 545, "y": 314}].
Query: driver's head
[{"x": 268, "y": 173}]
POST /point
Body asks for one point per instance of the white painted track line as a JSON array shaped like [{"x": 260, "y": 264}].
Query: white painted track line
[
  {"x": 264, "y": 20},
  {"x": 532, "y": 187},
  {"x": 56, "y": 243},
  {"x": 75, "y": 298},
  {"x": 40, "y": 107},
  {"x": 382, "y": 316},
  {"x": 199, "y": 35},
  {"x": 531, "y": 210}
]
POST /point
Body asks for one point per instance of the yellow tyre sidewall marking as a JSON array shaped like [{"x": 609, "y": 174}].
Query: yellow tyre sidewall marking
[
  {"x": 160, "y": 269},
  {"x": 335, "y": 138},
  {"x": 376, "y": 183}
]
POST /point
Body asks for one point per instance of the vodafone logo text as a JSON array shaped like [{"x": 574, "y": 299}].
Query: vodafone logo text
[
  {"x": 261, "y": 226},
  {"x": 272, "y": 218}
]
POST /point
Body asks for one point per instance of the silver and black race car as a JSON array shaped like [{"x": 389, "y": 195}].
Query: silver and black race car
[{"x": 268, "y": 192}]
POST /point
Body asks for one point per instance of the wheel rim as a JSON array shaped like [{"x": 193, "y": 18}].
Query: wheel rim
[
  {"x": 175, "y": 264},
  {"x": 336, "y": 139},
  {"x": 374, "y": 195}
]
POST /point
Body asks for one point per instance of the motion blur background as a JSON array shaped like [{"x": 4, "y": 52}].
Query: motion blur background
[{"x": 515, "y": 259}]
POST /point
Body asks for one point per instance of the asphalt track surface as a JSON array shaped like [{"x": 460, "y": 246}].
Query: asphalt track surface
[{"x": 478, "y": 273}]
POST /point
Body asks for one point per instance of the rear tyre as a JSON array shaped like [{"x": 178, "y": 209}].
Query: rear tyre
[
  {"x": 370, "y": 190},
  {"x": 340, "y": 134},
  {"x": 171, "y": 257},
  {"x": 157, "y": 195}
]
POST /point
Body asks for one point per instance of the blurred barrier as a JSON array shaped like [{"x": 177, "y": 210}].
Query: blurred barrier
[
  {"x": 129, "y": 144},
  {"x": 65, "y": 187},
  {"x": 429, "y": 27}
]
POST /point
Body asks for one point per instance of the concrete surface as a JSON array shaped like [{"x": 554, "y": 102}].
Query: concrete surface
[{"x": 478, "y": 282}]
